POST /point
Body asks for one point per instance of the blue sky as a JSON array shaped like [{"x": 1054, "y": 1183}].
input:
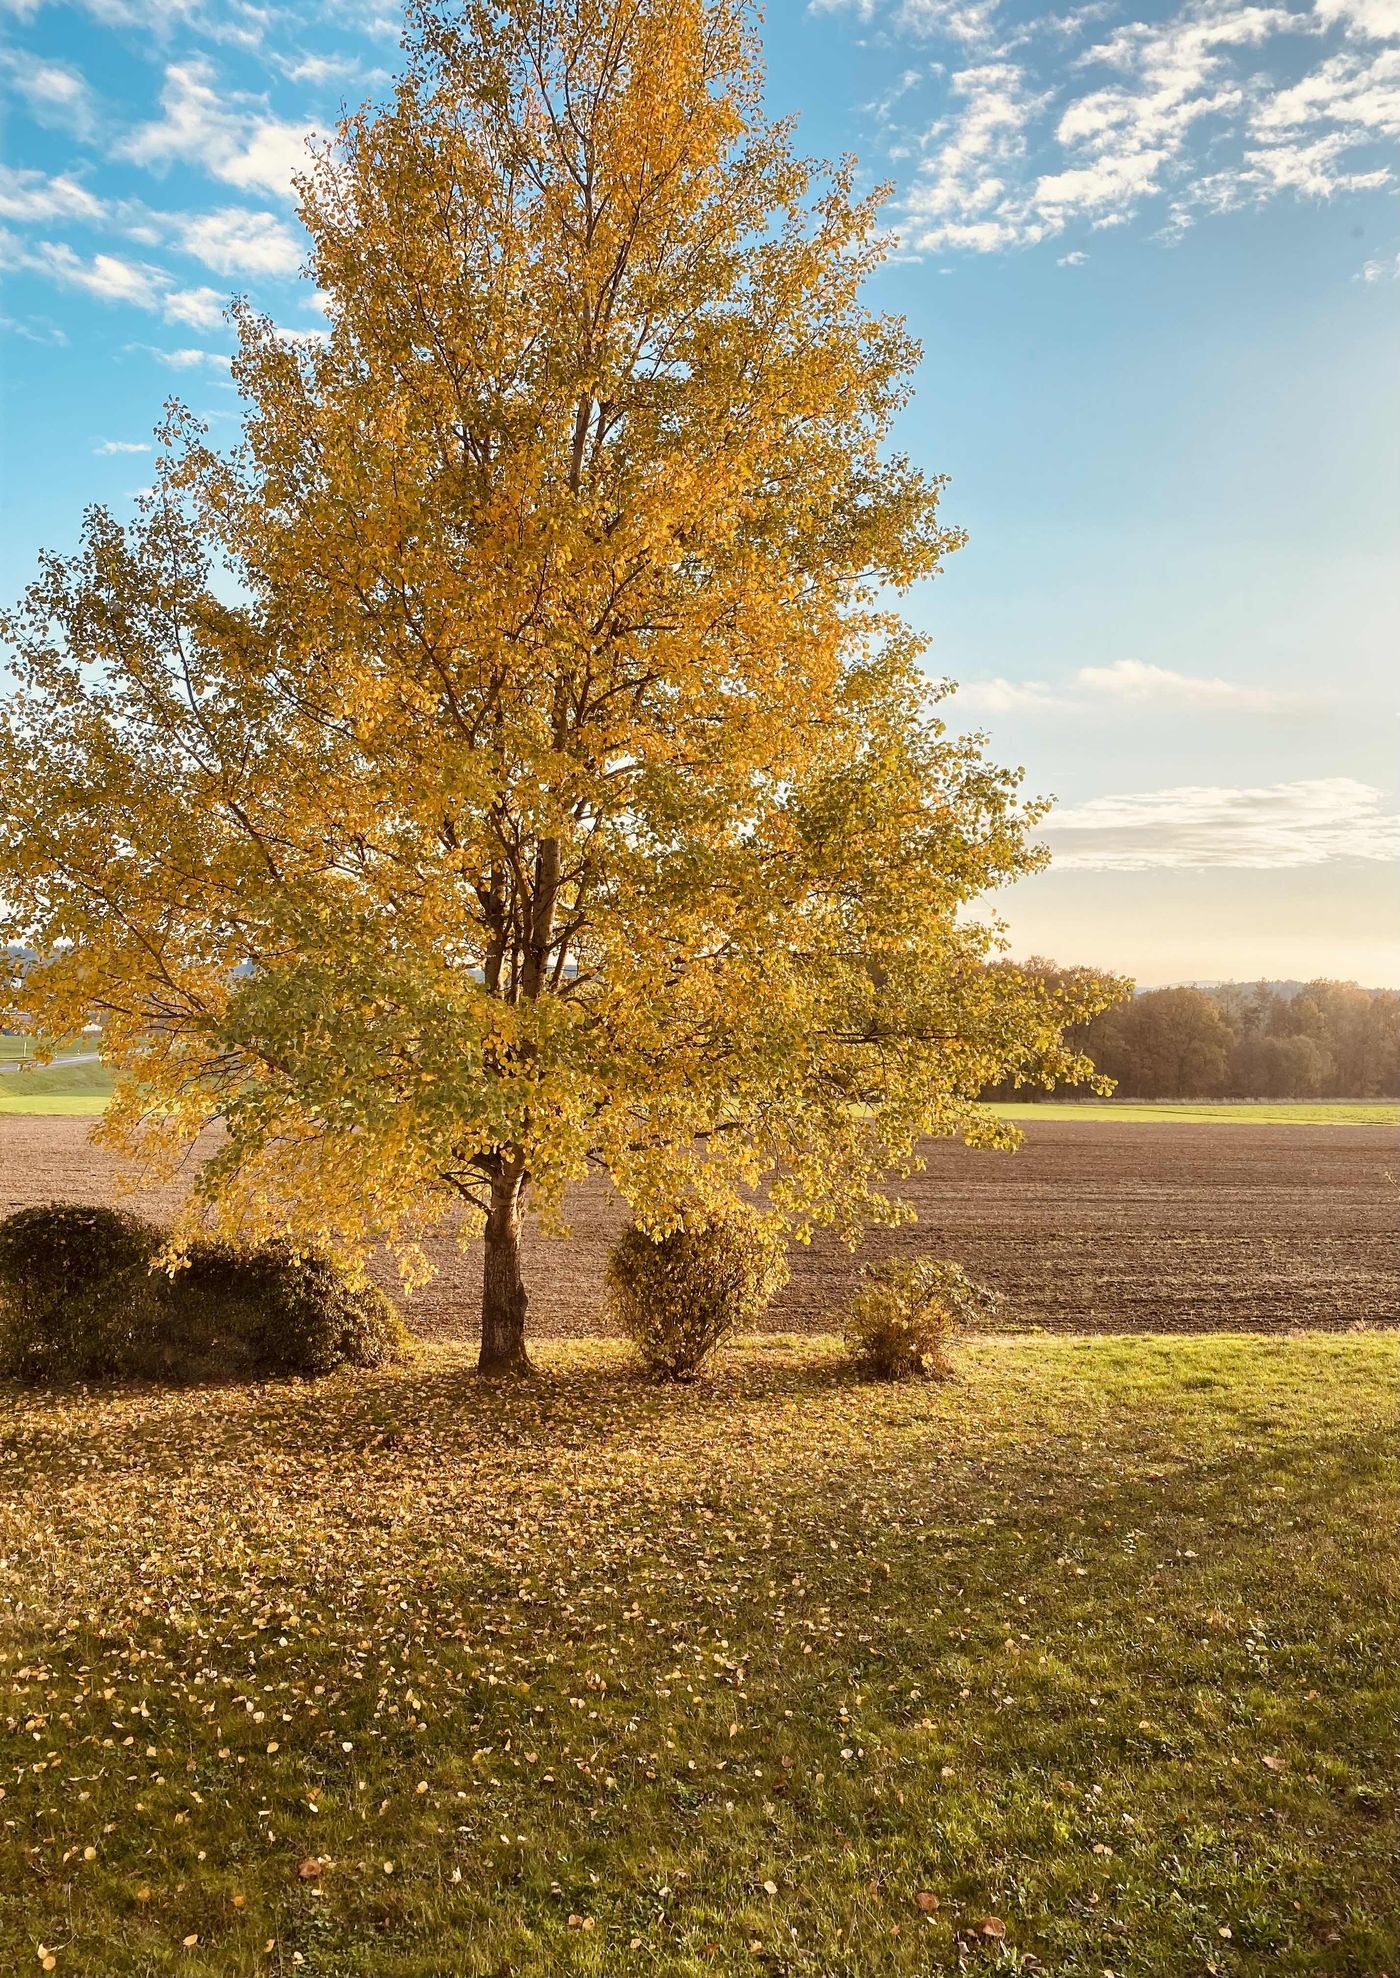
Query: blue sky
[{"x": 1151, "y": 255}]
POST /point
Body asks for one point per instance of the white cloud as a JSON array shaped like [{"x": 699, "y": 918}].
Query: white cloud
[
  {"x": 1313, "y": 169},
  {"x": 319, "y": 69},
  {"x": 1368, "y": 20},
  {"x": 297, "y": 337},
  {"x": 1360, "y": 90},
  {"x": 999, "y": 696},
  {"x": 153, "y": 16},
  {"x": 1074, "y": 259},
  {"x": 1130, "y": 683},
  {"x": 29, "y": 195},
  {"x": 198, "y": 308},
  {"x": 34, "y": 329},
  {"x": 114, "y": 278},
  {"x": 960, "y": 195},
  {"x": 237, "y": 240},
  {"x": 55, "y": 93},
  {"x": 1187, "y": 108},
  {"x": 230, "y": 239},
  {"x": 123, "y": 446},
  {"x": 230, "y": 136},
  {"x": 186, "y": 359},
  {"x": 107, "y": 276},
  {"x": 969, "y": 21},
  {"x": 1135, "y": 682},
  {"x": 1275, "y": 825},
  {"x": 1383, "y": 270}
]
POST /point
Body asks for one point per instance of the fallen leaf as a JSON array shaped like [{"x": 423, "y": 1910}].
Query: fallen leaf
[
  {"x": 309, "y": 1869},
  {"x": 927, "y": 1901},
  {"x": 994, "y": 1927}
]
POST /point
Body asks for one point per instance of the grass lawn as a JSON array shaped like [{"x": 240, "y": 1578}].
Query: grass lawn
[
  {"x": 20, "y": 1047},
  {"x": 49, "y": 1089},
  {"x": 83, "y": 1105},
  {"x": 84, "y": 1089},
  {"x": 1073, "y": 1665},
  {"x": 1237, "y": 1112}
]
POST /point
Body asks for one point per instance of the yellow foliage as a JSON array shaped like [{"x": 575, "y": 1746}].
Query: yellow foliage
[{"x": 522, "y": 699}]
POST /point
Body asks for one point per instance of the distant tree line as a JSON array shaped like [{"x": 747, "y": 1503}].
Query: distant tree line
[{"x": 1235, "y": 1040}]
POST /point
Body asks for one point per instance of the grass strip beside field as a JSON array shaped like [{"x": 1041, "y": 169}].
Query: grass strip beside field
[
  {"x": 84, "y": 1090},
  {"x": 1085, "y": 1656},
  {"x": 1200, "y": 1112},
  {"x": 84, "y": 1105}
]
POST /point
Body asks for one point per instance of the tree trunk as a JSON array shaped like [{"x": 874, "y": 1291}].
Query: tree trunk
[{"x": 503, "y": 1298}]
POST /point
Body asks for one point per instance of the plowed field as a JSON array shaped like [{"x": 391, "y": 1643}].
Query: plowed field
[{"x": 1092, "y": 1227}]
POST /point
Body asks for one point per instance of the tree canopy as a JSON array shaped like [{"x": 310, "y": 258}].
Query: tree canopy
[
  {"x": 507, "y": 760},
  {"x": 1310, "y": 1040}
]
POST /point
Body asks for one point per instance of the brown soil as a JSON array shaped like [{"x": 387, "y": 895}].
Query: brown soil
[{"x": 1092, "y": 1227}]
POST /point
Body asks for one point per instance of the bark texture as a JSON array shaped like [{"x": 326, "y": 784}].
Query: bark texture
[{"x": 503, "y": 1295}]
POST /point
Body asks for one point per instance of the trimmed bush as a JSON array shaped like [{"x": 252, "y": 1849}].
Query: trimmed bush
[
  {"x": 907, "y": 1313},
  {"x": 79, "y": 1300},
  {"x": 676, "y": 1297},
  {"x": 77, "y": 1296},
  {"x": 271, "y": 1311}
]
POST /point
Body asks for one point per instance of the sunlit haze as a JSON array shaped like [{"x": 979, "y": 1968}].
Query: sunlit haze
[{"x": 1152, "y": 264}]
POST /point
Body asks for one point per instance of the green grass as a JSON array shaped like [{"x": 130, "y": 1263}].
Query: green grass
[
  {"x": 84, "y": 1089},
  {"x": 87, "y": 1105},
  {"x": 1237, "y": 1112},
  {"x": 16, "y": 1048},
  {"x": 55, "y": 1088},
  {"x": 775, "y": 1673}
]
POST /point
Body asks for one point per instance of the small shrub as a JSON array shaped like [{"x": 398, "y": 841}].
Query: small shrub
[
  {"x": 268, "y": 1310},
  {"x": 677, "y": 1296},
  {"x": 77, "y": 1294},
  {"x": 79, "y": 1300},
  {"x": 907, "y": 1312}
]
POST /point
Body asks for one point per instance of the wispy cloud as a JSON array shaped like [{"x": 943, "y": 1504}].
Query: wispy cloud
[
  {"x": 34, "y": 329},
  {"x": 1135, "y": 682},
  {"x": 123, "y": 446},
  {"x": 114, "y": 278},
  {"x": 1385, "y": 269},
  {"x": 54, "y": 93},
  {"x": 197, "y": 308},
  {"x": 963, "y": 195},
  {"x": 27, "y": 196},
  {"x": 1185, "y": 112},
  {"x": 238, "y": 240},
  {"x": 188, "y": 358},
  {"x": 320, "y": 69},
  {"x": 151, "y": 16},
  {"x": 1001, "y": 696},
  {"x": 1374, "y": 20},
  {"x": 109, "y": 277},
  {"x": 1131, "y": 683},
  {"x": 233, "y": 137},
  {"x": 1276, "y": 825}
]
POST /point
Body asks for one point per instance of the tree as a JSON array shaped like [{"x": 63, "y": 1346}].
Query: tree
[
  {"x": 1164, "y": 1044},
  {"x": 506, "y": 762}
]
